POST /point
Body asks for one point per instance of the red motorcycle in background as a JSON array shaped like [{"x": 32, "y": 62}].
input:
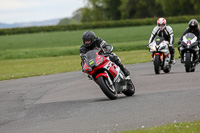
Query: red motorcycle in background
[{"x": 107, "y": 75}]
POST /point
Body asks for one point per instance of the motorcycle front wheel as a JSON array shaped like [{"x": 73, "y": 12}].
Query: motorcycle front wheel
[
  {"x": 188, "y": 62},
  {"x": 107, "y": 89},
  {"x": 157, "y": 66}
]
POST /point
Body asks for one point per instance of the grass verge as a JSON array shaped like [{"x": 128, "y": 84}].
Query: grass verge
[
  {"x": 21, "y": 68},
  {"x": 183, "y": 127}
]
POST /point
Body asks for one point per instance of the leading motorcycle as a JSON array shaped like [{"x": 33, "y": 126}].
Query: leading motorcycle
[
  {"x": 189, "y": 52},
  {"x": 107, "y": 75},
  {"x": 161, "y": 56}
]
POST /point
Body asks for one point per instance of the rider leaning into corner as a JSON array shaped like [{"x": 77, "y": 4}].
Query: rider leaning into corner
[
  {"x": 165, "y": 31},
  {"x": 91, "y": 42},
  {"x": 193, "y": 28}
]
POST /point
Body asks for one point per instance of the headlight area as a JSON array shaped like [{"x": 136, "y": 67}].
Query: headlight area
[{"x": 152, "y": 48}]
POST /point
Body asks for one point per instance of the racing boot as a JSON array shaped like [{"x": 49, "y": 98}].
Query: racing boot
[
  {"x": 125, "y": 71},
  {"x": 172, "y": 51},
  {"x": 172, "y": 59},
  {"x": 117, "y": 61}
]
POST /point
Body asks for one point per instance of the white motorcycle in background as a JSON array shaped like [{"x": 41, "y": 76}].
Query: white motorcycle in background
[{"x": 161, "y": 56}]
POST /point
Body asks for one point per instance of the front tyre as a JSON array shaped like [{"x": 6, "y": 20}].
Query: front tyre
[
  {"x": 157, "y": 66},
  {"x": 188, "y": 62},
  {"x": 107, "y": 89}
]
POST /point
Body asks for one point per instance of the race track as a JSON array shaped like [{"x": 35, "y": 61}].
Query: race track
[{"x": 70, "y": 103}]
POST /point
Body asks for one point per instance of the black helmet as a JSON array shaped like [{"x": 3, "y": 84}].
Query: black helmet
[
  {"x": 193, "y": 24},
  {"x": 88, "y": 36}
]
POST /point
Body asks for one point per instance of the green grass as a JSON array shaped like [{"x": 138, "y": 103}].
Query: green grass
[
  {"x": 183, "y": 127},
  {"x": 36, "y": 54},
  {"x": 55, "y": 44},
  {"x": 21, "y": 68}
]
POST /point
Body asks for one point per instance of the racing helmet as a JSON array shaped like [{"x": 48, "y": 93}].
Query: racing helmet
[
  {"x": 88, "y": 38},
  {"x": 161, "y": 22},
  {"x": 193, "y": 24}
]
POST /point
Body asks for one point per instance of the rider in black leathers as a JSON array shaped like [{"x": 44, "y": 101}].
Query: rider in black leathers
[
  {"x": 91, "y": 42},
  {"x": 193, "y": 28}
]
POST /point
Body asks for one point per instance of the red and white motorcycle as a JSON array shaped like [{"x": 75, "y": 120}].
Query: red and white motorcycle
[
  {"x": 161, "y": 56},
  {"x": 107, "y": 75}
]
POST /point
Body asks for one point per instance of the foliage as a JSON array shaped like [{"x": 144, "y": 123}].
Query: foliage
[
  {"x": 140, "y": 9},
  {"x": 95, "y": 25},
  {"x": 74, "y": 20},
  {"x": 68, "y": 21},
  {"x": 128, "y": 9},
  {"x": 180, "y": 7},
  {"x": 98, "y": 10}
]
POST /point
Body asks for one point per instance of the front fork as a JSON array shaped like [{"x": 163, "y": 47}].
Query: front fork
[
  {"x": 154, "y": 54},
  {"x": 109, "y": 79},
  {"x": 119, "y": 85}
]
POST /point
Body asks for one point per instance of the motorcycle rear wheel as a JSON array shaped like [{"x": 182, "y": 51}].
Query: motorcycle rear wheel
[{"x": 108, "y": 90}]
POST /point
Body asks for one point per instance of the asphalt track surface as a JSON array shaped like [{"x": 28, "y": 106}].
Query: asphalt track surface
[{"x": 70, "y": 103}]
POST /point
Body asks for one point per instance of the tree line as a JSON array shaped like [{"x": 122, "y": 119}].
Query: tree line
[{"x": 106, "y": 10}]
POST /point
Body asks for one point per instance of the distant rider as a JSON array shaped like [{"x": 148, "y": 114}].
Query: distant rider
[
  {"x": 91, "y": 42},
  {"x": 165, "y": 31},
  {"x": 193, "y": 28}
]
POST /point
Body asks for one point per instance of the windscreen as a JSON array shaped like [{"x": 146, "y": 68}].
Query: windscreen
[
  {"x": 91, "y": 57},
  {"x": 189, "y": 36},
  {"x": 91, "y": 54},
  {"x": 158, "y": 40}
]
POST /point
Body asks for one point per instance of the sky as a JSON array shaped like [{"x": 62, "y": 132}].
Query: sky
[{"x": 17, "y": 11}]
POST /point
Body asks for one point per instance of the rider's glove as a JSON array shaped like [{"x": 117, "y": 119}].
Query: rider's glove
[
  {"x": 179, "y": 42},
  {"x": 107, "y": 49},
  {"x": 82, "y": 56},
  {"x": 170, "y": 45}
]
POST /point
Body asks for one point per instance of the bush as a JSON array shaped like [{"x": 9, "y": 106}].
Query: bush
[{"x": 95, "y": 25}]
